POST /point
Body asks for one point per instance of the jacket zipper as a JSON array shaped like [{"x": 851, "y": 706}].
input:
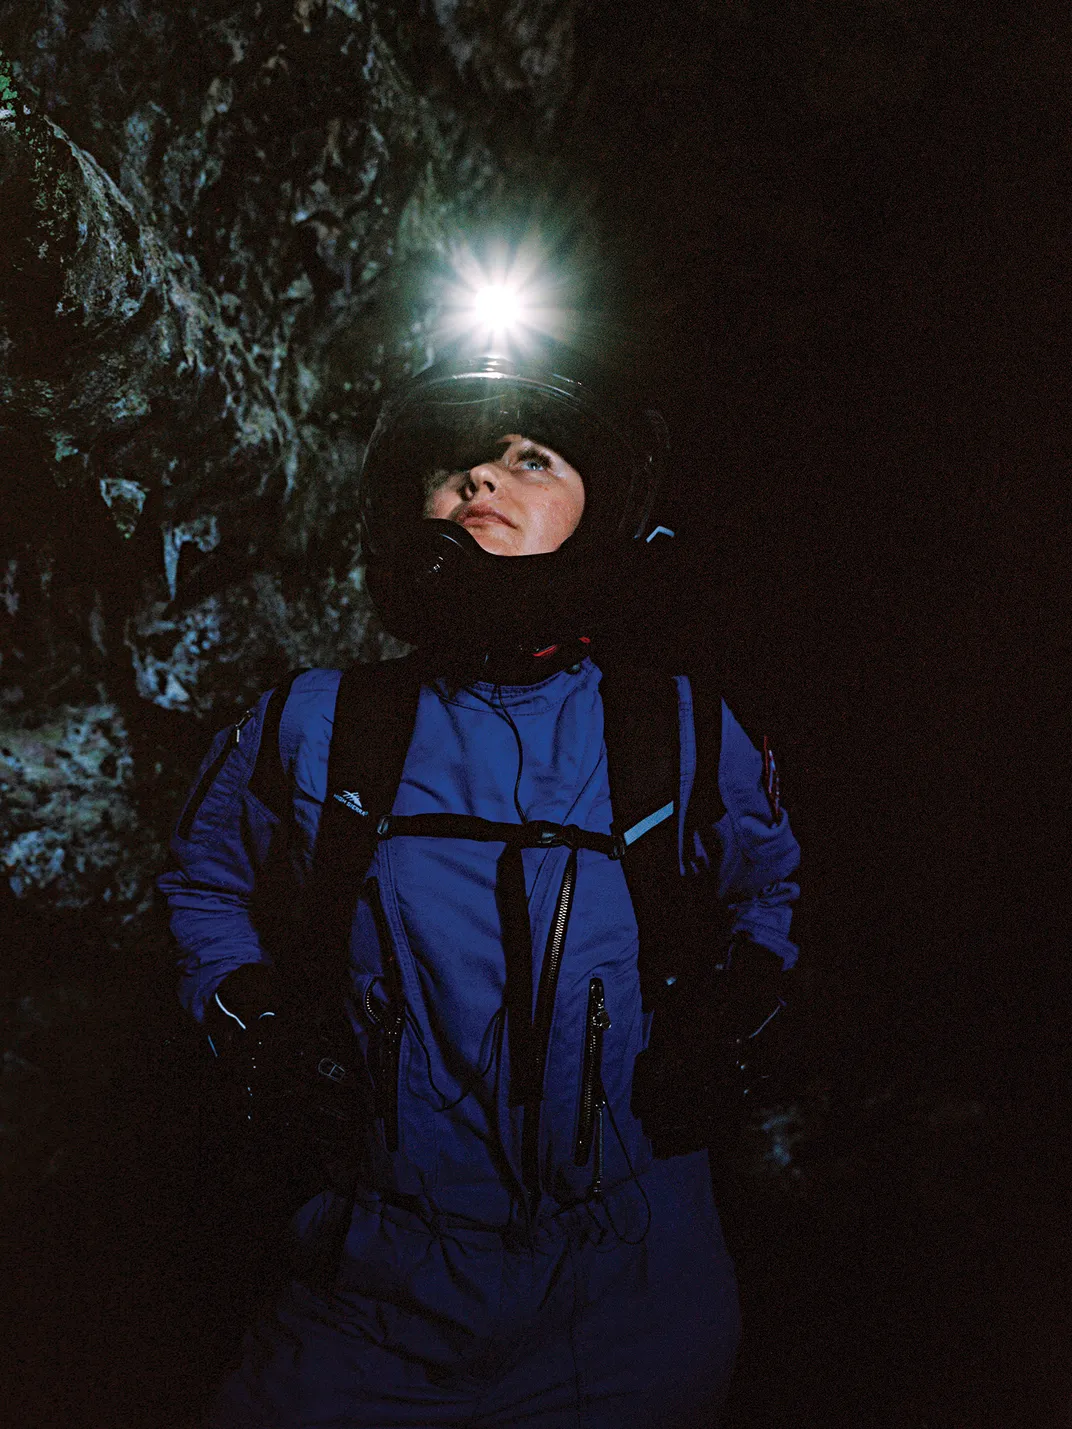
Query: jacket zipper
[
  {"x": 593, "y": 1096},
  {"x": 545, "y": 1007},
  {"x": 388, "y": 1022},
  {"x": 205, "y": 783}
]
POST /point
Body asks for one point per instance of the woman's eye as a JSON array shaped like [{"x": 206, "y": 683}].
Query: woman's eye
[{"x": 534, "y": 461}]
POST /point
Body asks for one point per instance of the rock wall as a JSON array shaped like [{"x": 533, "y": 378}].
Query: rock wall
[{"x": 226, "y": 227}]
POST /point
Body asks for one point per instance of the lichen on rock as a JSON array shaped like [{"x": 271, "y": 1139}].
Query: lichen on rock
[{"x": 71, "y": 830}]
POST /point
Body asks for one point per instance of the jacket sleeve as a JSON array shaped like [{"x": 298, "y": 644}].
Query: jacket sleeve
[
  {"x": 221, "y": 840},
  {"x": 750, "y": 848}
]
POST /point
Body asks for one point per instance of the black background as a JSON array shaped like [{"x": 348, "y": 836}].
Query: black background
[{"x": 873, "y": 461}]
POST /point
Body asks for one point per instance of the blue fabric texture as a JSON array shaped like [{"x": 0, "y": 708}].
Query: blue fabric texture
[
  {"x": 431, "y": 1323},
  {"x": 590, "y": 1326}
]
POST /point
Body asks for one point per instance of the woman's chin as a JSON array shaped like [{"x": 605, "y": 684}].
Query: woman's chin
[{"x": 496, "y": 539}]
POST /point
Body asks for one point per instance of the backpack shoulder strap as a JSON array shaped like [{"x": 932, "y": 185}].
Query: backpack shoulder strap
[
  {"x": 641, "y": 732},
  {"x": 375, "y": 710},
  {"x": 268, "y": 780},
  {"x": 702, "y": 788},
  {"x": 664, "y": 741},
  {"x": 375, "y": 713},
  {"x": 663, "y": 738}
]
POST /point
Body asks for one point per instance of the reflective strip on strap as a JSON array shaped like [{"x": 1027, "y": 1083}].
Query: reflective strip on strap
[{"x": 646, "y": 825}]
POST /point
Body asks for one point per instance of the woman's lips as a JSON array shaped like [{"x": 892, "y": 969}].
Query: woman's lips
[{"x": 476, "y": 514}]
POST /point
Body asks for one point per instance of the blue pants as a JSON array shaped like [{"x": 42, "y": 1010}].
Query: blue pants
[{"x": 569, "y": 1327}]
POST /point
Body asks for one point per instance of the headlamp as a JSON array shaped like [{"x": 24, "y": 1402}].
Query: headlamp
[
  {"x": 504, "y": 303},
  {"x": 499, "y": 309},
  {"x": 506, "y": 370}
]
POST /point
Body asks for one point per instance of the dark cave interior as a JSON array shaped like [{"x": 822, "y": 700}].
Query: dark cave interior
[{"x": 832, "y": 241}]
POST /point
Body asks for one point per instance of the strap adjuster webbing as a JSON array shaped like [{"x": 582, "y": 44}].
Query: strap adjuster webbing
[
  {"x": 644, "y": 826},
  {"x": 535, "y": 833}
]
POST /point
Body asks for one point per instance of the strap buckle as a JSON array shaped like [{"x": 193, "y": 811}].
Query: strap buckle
[{"x": 544, "y": 833}]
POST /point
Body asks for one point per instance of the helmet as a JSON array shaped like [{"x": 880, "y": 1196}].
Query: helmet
[{"x": 421, "y": 572}]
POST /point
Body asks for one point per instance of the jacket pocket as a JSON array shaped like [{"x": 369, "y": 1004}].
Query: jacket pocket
[
  {"x": 385, "y": 1010},
  {"x": 593, "y": 1097}
]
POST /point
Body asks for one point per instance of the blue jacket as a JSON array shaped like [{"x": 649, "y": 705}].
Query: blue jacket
[{"x": 459, "y": 1137}]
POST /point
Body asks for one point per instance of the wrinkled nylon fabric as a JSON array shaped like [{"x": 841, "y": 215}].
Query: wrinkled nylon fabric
[
  {"x": 441, "y": 894},
  {"x": 451, "y": 1326}
]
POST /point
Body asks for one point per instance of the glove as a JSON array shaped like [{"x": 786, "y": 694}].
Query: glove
[
  {"x": 289, "y": 1087},
  {"x": 247, "y": 1038},
  {"x": 749, "y": 998},
  {"x": 704, "y": 1062}
]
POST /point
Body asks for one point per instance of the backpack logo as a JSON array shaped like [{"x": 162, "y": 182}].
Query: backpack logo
[{"x": 351, "y": 800}]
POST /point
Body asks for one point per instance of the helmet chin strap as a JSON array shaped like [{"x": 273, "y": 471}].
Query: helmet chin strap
[{"x": 503, "y": 666}]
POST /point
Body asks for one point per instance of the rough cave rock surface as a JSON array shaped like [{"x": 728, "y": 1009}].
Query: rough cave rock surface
[{"x": 223, "y": 228}]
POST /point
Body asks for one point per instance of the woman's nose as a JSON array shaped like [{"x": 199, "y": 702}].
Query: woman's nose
[{"x": 485, "y": 476}]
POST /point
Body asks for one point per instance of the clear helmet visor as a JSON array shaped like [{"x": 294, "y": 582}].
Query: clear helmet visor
[{"x": 455, "y": 422}]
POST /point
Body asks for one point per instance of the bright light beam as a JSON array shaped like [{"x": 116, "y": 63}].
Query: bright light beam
[
  {"x": 498, "y": 307},
  {"x": 505, "y": 301}
]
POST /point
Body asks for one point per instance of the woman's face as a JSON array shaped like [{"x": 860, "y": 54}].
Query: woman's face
[{"x": 525, "y": 502}]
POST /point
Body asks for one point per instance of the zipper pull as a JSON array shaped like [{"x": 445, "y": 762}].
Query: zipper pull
[
  {"x": 237, "y": 731},
  {"x": 597, "y": 1180},
  {"x": 598, "y": 1016}
]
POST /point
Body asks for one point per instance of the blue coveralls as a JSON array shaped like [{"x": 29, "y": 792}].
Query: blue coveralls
[{"x": 450, "y": 1306}]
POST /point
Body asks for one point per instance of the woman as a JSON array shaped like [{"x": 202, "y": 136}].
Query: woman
[{"x": 521, "y": 1244}]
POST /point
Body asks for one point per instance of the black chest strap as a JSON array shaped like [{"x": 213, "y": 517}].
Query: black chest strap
[
  {"x": 534, "y": 833},
  {"x": 375, "y": 715}
]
